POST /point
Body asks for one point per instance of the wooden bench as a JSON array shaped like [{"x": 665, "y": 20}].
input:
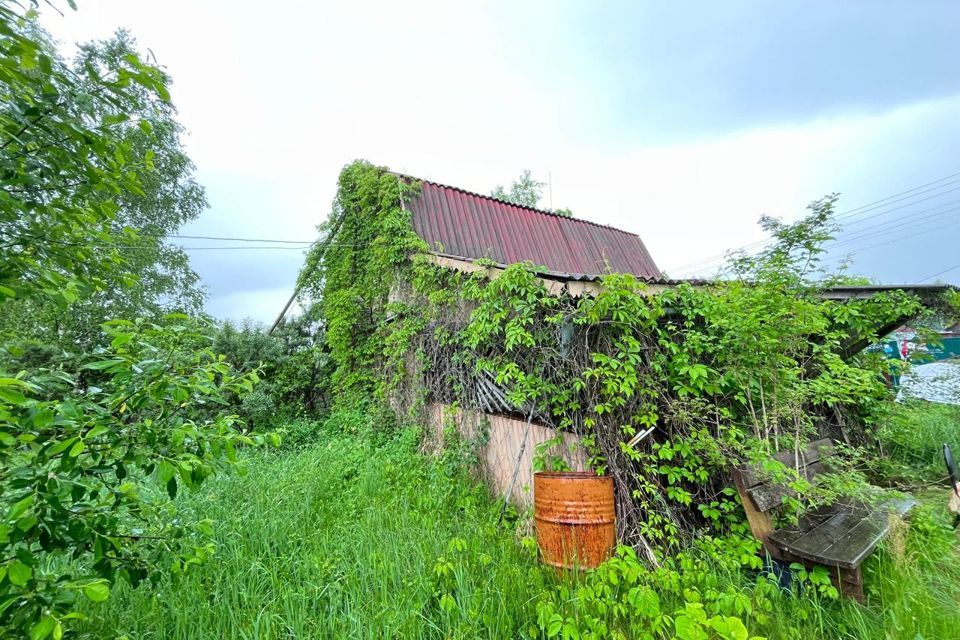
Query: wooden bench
[{"x": 838, "y": 536}]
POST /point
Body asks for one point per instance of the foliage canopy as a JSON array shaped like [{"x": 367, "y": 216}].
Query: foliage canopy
[{"x": 83, "y": 441}]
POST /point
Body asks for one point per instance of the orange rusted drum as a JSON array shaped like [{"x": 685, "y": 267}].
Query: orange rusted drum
[{"x": 574, "y": 516}]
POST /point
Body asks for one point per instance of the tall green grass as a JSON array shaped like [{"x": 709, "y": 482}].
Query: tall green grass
[
  {"x": 346, "y": 539},
  {"x": 360, "y": 536},
  {"x": 912, "y": 438}
]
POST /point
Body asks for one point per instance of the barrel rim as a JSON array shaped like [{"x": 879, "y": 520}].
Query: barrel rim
[{"x": 573, "y": 475}]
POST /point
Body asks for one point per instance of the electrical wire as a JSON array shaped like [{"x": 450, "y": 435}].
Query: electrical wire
[
  {"x": 911, "y": 235},
  {"x": 856, "y": 212},
  {"x": 890, "y": 227},
  {"x": 940, "y": 273},
  {"x": 186, "y": 237}
]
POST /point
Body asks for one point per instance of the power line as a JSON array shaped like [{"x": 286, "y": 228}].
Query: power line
[
  {"x": 245, "y": 248},
  {"x": 877, "y": 230},
  {"x": 855, "y": 213},
  {"x": 911, "y": 235},
  {"x": 324, "y": 244},
  {"x": 847, "y": 225},
  {"x": 940, "y": 273},
  {"x": 890, "y": 227},
  {"x": 706, "y": 262},
  {"x": 111, "y": 245},
  {"x": 186, "y": 237},
  {"x": 859, "y": 210}
]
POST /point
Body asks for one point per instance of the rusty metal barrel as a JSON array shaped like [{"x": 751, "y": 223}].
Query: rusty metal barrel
[{"x": 574, "y": 516}]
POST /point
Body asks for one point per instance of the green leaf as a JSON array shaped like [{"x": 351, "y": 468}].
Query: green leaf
[
  {"x": 554, "y": 625},
  {"x": 172, "y": 487},
  {"x": 43, "y": 628},
  {"x": 98, "y": 430},
  {"x": 97, "y": 591},
  {"x": 43, "y": 418},
  {"x": 20, "y": 507},
  {"x": 102, "y": 365},
  {"x": 121, "y": 339},
  {"x": 61, "y": 446},
  {"x": 689, "y": 629},
  {"x": 19, "y": 573},
  {"x": 165, "y": 471},
  {"x": 77, "y": 448}
]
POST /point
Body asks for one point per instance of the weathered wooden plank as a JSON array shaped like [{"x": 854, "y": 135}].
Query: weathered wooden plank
[
  {"x": 761, "y": 525},
  {"x": 850, "y": 549},
  {"x": 809, "y": 463},
  {"x": 770, "y": 496},
  {"x": 813, "y": 452},
  {"x": 815, "y": 517},
  {"x": 811, "y": 542},
  {"x": 843, "y": 540}
]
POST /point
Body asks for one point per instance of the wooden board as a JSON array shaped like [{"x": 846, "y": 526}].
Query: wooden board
[
  {"x": 809, "y": 463},
  {"x": 842, "y": 540},
  {"x": 814, "y": 452}
]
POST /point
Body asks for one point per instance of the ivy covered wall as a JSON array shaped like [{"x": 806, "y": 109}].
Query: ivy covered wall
[{"x": 721, "y": 374}]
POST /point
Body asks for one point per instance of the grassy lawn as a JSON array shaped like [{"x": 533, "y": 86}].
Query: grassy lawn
[
  {"x": 343, "y": 539},
  {"x": 362, "y": 537}
]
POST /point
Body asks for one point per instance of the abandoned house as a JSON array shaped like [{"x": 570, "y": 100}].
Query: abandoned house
[{"x": 572, "y": 255}]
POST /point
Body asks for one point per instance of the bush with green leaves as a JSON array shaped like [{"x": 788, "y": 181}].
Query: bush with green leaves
[
  {"x": 722, "y": 373},
  {"x": 292, "y": 362},
  {"x": 74, "y": 457},
  {"x": 85, "y": 438}
]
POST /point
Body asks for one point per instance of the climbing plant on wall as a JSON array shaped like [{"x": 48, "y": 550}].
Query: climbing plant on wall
[
  {"x": 363, "y": 251},
  {"x": 721, "y": 373}
]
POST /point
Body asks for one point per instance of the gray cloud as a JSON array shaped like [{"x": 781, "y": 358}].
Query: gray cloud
[
  {"x": 675, "y": 69},
  {"x": 682, "y": 122}
]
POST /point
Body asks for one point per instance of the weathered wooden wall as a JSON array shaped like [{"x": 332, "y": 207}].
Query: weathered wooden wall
[{"x": 504, "y": 439}]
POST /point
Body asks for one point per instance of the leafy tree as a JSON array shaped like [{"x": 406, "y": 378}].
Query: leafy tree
[
  {"x": 292, "y": 362},
  {"x": 63, "y": 166},
  {"x": 74, "y": 457},
  {"x": 77, "y": 445},
  {"x": 167, "y": 196},
  {"x": 526, "y": 191}
]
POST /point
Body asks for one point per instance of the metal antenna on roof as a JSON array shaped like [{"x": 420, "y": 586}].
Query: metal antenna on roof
[{"x": 550, "y": 187}]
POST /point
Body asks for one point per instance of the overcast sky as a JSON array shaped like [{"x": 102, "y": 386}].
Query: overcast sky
[{"x": 683, "y": 122}]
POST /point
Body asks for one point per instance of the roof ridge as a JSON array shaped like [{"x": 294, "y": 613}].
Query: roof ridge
[{"x": 513, "y": 204}]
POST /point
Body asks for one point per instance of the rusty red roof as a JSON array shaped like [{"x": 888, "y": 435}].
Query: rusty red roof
[{"x": 458, "y": 222}]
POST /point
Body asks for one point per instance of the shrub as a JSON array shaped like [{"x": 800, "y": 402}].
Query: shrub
[
  {"x": 75, "y": 457},
  {"x": 292, "y": 363}
]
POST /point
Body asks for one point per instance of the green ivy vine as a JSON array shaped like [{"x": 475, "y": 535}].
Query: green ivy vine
[{"x": 713, "y": 374}]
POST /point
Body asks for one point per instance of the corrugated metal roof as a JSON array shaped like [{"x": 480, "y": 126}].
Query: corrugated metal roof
[
  {"x": 582, "y": 277},
  {"x": 458, "y": 222}
]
